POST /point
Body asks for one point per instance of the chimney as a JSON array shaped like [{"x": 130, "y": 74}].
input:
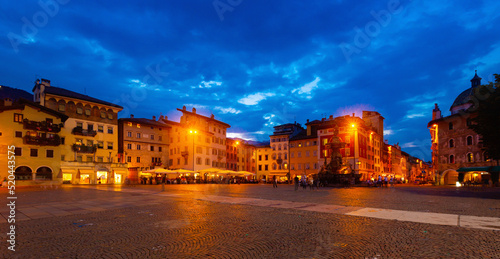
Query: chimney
[
  {"x": 307, "y": 120},
  {"x": 46, "y": 82},
  {"x": 194, "y": 110},
  {"x": 212, "y": 116},
  {"x": 331, "y": 117},
  {"x": 353, "y": 114},
  {"x": 154, "y": 118},
  {"x": 436, "y": 113},
  {"x": 162, "y": 117},
  {"x": 131, "y": 116},
  {"x": 184, "y": 108}
]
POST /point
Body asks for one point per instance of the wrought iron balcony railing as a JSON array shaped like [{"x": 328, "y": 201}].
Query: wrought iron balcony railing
[
  {"x": 53, "y": 140},
  {"x": 82, "y": 132},
  {"x": 42, "y": 126},
  {"x": 84, "y": 149}
]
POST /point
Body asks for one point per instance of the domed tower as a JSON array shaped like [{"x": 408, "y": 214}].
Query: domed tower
[{"x": 464, "y": 100}]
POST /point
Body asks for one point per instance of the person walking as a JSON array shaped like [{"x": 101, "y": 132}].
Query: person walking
[
  {"x": 275, "y": 182},
  {"x": 296, "y": 181},
  {"x": 304, "y": 182}
]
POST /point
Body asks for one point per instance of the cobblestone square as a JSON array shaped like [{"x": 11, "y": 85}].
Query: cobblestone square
[{"x": 253, "y": 221}]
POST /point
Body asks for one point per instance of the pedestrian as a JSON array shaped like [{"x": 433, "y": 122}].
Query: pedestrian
[
  {"x": 304, "y": 182},
  {"x": 296, "y": 181},
  {"x": 385, "y": 181},
  {"x": 311, "y": 184},
  {"x": 275, "y": 182},
  {"x": 379, "y": 181}
]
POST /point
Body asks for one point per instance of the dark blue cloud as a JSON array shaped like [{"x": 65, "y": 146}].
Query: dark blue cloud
[{"x": 264, "y": 63}]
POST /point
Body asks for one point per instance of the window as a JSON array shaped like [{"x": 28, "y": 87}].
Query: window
[
  {"x": 266, "y": 157},
  {"x": 18, "y": 117},
  {"x": 62, "y": 107},
  {"x": 315, "y": 153},
  {"x": 90, "y": 143},
  {"x": 307, "y": 154},
  {"x": 90, "y": 159},
  {"x": 110, "y": 145},
  {"x": 450, "y": 125},
  {"x": 110, "y": 116},
  {"x": 18, "y": 151},
  {"x": 152, "y": 148},
  {"x": 469, "y": 140},
  {"x": 199, "y": 150},
  {"x": 138, "y": 147},
  {"x": 138, "y": 159},
  {"x": 129, "y": 134},
  {"x": 207, "y": 161},
  {"x": 100, "y": 159},
  {"x": 87, "y": 112},
  {"x": 152, "y": 137},
  {"x": 198, "y": 160},
  {"x": 110, "y": 130},
  {"x": 79, "y": 124},
  {"x": 100, "y": 128},
  {"x": 266, "y": 167},
  {"x": 100, "y": 144},
  {"x": 34, "y": 152},
  {"x": 129, "y": 159},
  {"x": 19, "y": 134},
  {"x": 103, "y": 115},
  {"x": 79, "y": 110},
  {"x": 260, "y": 158},
  {"x": 470, "y": 158},
  {"x": 452, "y": 159},
  {"x": 260, "y": 167},
  {"x": 451, "y": 143},
  {"x": 159, "y": 149},
  {"x": 160, "y": 138},
  {"x": 299, "y": 154},
  {"x": 138, "y": 135}
]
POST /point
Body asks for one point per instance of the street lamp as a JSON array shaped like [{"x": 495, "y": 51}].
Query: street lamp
[{"x": 193, "y": 132}]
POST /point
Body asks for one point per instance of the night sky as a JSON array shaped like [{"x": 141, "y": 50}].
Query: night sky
[{"x": 257, "y": 64}]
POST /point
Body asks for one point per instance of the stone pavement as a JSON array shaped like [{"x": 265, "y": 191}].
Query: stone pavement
[{"x": 246, "y": 221}]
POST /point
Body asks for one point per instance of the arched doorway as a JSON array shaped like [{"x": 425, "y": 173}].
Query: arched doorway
[
  {"x": 23, "y": 173},
  {"x": 449, "y": 177},
  {"x": 44, "y": 173}
]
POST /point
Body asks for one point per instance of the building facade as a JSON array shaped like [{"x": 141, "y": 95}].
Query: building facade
[
  {"x": 89, "y": 151},
  {"x": 32, "y": 133},
  {"x": 455, "y": 147},
  {"x": 143, "y": 145}
]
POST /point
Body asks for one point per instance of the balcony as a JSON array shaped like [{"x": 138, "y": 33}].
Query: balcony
[
  {"x": 80, "y": 131},
  {"x": 156, "y": 164},
  {"x": 84, "y": 149},
  {"x": 55, "y": 140},
  {"x": 42, "y": 126},
  {"x": 184, "y": 153}
]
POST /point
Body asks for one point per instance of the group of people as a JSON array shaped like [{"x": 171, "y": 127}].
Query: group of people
[
  {"x": 382, "y": 182},
  {"x": 304, "y": 182}
]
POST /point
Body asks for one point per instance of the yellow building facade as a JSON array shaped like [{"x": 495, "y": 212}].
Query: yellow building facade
[{"x": 32, "y": 132}]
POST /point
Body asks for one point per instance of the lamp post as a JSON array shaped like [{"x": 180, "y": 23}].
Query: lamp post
[{"x": 193, "y": 132}]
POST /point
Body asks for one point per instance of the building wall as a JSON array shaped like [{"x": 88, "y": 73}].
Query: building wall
[
  {"x": 304, "y": 157},
  {"x": 263, "y": 162},
  {"x": 47, "y": 156}
]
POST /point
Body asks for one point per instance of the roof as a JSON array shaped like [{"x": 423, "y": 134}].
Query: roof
[
  {"x": 463, "y": 98},
  {"x": 205, "y": 117},
  {"x": 145, "y": 121},
  {"x": 14, "y": 93},
  {"x": 21, "y": 103},
  {"x": 303, "y": 135},
  {"x": 67, "y": 93}
]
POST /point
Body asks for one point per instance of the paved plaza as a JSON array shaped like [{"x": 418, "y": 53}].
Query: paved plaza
[{"x": 253, "y": 221}]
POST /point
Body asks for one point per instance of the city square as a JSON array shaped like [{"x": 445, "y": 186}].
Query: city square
[{"x": 254, "y": 221}]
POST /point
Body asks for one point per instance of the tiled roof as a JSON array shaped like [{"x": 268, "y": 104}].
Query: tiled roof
[
  {"x": 205, "y": 117},
  {"x": 21, "y": 102},
  {"x": 14, "y": 93},
  {"x": 145, "y": 121},
  {"x": 67, "y": 93}
]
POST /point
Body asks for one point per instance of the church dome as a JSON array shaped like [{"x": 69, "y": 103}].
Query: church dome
[{"x": 464, "y": 99}]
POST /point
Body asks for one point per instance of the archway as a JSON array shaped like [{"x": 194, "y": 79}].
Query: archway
[
  {"x": 44, "y": 173},
  {"x": 23, "y": 173},
  {"x": 449, "y": 177}
]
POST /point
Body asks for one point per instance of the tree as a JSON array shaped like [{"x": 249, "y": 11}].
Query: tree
[{"x": 486, "y": 122}]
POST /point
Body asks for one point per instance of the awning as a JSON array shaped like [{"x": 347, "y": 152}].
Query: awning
[
  {"x": 494, "y": 169},
  {"x": 86, "y": 171},
  {"x": 68, "y": 171},
  {"x": 120, "y": 171},
  {"x": 474, "y": 169}
]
